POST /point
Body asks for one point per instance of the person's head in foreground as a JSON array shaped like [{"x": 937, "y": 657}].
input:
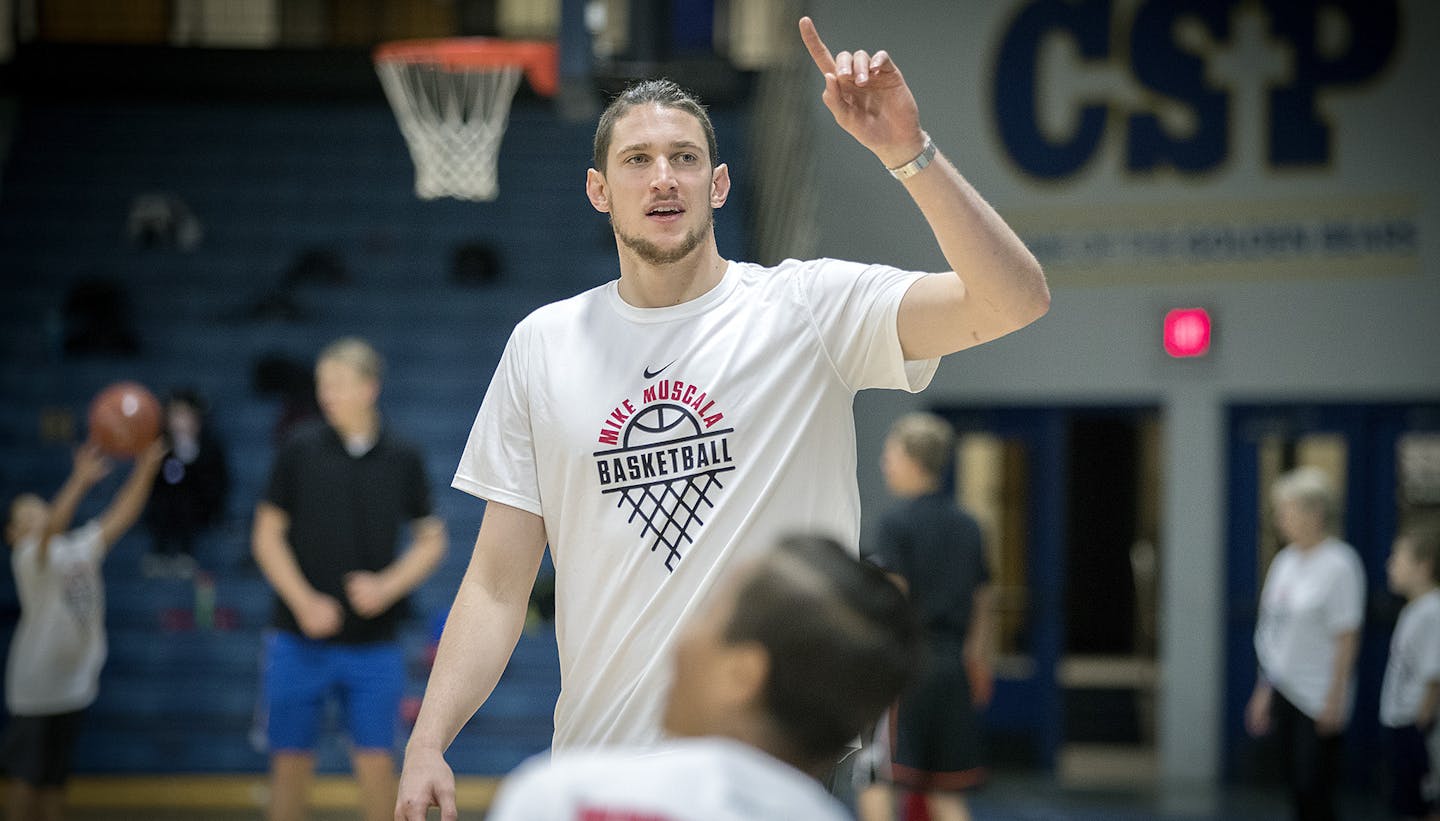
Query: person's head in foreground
[{"x": 795, "y": 655}]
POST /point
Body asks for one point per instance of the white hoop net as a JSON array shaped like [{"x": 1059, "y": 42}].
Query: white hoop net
[{"x": 453, "y": 120}]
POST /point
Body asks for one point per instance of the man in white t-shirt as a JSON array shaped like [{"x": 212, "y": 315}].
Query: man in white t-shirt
[
  {"x": 652, "y": 428},
  {"x": 1311, "y": 610},
  {"x": 796, "y": 653}
]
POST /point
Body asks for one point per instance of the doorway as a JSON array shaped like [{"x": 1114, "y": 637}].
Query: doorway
[{"x": 1069, "y": 501}]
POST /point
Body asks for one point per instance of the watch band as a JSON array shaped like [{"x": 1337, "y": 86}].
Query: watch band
[{"x": 915, "y": 166}]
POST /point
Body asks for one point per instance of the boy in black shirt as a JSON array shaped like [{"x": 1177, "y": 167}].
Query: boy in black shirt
[{"x": 935, "y": 551}]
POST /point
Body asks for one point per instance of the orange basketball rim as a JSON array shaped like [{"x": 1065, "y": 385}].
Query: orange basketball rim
[{"x": 452, "y": 98}]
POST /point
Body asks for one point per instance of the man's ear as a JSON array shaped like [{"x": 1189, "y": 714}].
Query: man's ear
[
  {"x": 597, "y": 190},
  {"x": 719, "y": 185},
  {"x": 746, "y": 671}
]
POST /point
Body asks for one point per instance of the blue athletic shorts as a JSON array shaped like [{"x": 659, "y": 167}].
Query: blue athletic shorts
[{"x": 300, "y": 673}]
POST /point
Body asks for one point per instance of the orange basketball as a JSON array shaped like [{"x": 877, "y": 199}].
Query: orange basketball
[{"x": 124, "y": 419}]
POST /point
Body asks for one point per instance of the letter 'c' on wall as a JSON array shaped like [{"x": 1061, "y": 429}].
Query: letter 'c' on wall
[{"x": 1017, "y": 95}]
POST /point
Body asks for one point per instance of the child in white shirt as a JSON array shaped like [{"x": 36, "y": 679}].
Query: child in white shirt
[
  {"x": 1410, "y": 696},
  {"x": 53, "y": 672}
]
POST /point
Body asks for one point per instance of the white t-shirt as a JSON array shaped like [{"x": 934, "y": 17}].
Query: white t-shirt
[
  {"x": 1414, "y": 661},
  {"x": 662, "y": 445},
  {"x": 701, "y": 779},
  {"x": 1310, "y": 596},
  {"x": 59, "y": 645}
]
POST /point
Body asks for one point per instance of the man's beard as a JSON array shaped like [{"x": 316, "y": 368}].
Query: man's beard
[{"x": 654, "y": 254}]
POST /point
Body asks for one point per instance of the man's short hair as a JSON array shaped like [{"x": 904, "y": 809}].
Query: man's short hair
[
  {"x": 1421, "y": 538},
  {"x": 927, "y": 440},
  {"x": 1310, "y": 488},
  {"x": 358, "y": 354},
  {"x": 661, "y": 92},
  {"x": 841, "y": 637}
]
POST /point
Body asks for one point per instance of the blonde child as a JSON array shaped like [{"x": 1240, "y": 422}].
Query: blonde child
[
  {"x": 59, "y": 646},
  {"x": 1410, "y": 696}
]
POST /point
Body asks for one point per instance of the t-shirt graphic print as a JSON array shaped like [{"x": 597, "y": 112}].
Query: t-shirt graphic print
[{"x": 665, "y": 455}]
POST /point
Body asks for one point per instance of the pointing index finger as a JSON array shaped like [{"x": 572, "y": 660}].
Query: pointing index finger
[{"x": 818, "y": 52}]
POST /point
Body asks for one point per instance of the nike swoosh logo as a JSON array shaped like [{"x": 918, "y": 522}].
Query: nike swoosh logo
[{"x": 649, "y": 374}]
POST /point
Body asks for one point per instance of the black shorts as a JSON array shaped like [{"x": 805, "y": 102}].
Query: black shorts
[
  {"x": 38, "y": 748},
  {"x": 934, "y": 732},
  {"x": 1410, "y": 766}
]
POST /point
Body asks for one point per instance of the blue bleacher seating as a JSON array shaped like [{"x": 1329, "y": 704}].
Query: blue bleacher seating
[{"x": 268, "y": 181}]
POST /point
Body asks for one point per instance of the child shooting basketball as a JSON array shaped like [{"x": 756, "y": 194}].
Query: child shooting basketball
[{"x": 59, "y": 646}]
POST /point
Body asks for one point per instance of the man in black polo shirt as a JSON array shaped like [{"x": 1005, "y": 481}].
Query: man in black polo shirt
[
  {"x": 325, "y": 536},
  {"x": 934, "y": 550}
]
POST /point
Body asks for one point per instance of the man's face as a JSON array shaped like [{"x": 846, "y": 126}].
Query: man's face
[
  {"x": 658, "y": 186},
  {"x": 712, "y": 678},
  {"x": 1296, "y": 521},
  {"x": 895, "y": 465},
  {"x": 345, "y": 395}
]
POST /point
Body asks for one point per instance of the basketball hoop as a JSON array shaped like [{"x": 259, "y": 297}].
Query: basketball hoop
[{"x": 452, "y": 100}]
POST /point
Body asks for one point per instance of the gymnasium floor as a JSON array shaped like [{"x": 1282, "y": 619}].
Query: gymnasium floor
[{"x": 1011, "y": 797}]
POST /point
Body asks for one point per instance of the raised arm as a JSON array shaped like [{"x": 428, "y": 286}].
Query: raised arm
[
  {"x": 129, "y": 502},
  {"x": 89, "y": 467},
  {"x": 995, "y": 285},
  {"x": 480, "y": 634},
  {"x": 371, "y": 594}
]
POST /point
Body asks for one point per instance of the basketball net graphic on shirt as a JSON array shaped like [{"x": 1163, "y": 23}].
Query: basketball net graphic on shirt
[{"x": 665, "y": 463}]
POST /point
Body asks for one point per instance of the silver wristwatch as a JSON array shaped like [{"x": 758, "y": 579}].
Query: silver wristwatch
[{"x": 915, "y": 166}]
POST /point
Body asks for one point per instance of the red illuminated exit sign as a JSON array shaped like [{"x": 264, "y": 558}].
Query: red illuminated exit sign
[{"x": 1187, "y": 332}]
